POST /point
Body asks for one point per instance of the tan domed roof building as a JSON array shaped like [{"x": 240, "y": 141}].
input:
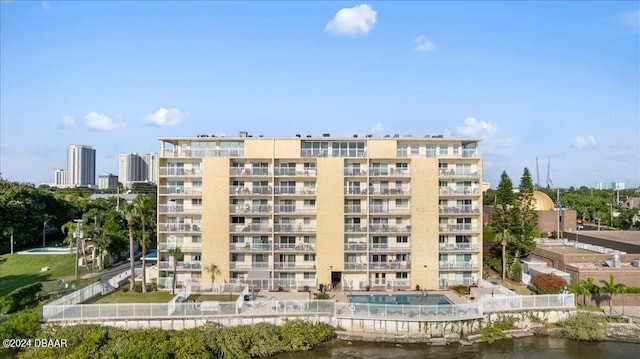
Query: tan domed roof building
[{"x": 543, "y": 202}]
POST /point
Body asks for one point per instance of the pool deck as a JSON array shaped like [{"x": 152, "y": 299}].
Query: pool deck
[{"x": 341, "y": 296}]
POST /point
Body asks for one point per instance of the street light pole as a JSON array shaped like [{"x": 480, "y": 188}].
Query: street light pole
[{"x": 44, "y": 225}]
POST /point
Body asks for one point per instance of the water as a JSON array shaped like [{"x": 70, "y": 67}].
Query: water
[
  {"x": 525, "y": 348},
  {"x": 410, "y": 299}
]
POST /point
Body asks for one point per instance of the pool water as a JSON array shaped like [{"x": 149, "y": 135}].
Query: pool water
[{"x": 409, "y": 299}]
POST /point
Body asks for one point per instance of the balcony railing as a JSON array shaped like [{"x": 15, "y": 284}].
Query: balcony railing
[
  {"x": 355, "y": 228},
  {"x": 461, "y": 191},
  {"x": 180, "y": 190},
  {"x": 249, "y": 172},
  {"x": 458, "y": 227},
  {"x": 247, "y": 209},
  {"x": 251, "y": 247},
  {"x": 466, "y": 209},
  {"x": 294, "y": 228},
  {"x": 239, "y": 190},
  {"x": 292, "y": 247},
  {"x": 392, "y": 172},
  {"x": 385, "y": 247},
  {"x": 389, "y": 228},
  {"x": 294, "y": 190},
  {"x": 355, "y": 209},
  {"x": 459, "y": 247},
  {"x": 404, "y": 190},
  {"x": 457, "y": 173},
  {"x": 249, "y": 228},
  {"x": 170, "y": 208},
  {"x": 194, "y": 247},
  {"x": 378, "y": 209},
  {"x": 250, "y": 265},
  {"x": 179, "y": 227},
  {"x": 355, "y": 266},
  {"x": 292, "y": 172},
  {"x": 390, "y": 265},
  {"x": 294, "y": 265},
  {"x": 458, "y": 265},
  {"x": 475, "y": 153},
  {"x": 314, "y": 153},
  {"x": 355, "y": 247},
  {"x": 179, "y": 152},
  {"x": 181, "y": 265},
  {"x": 354, "y": 191},
  {"x": 179, "y": 171},
  {"x": 354, "y": 172}
]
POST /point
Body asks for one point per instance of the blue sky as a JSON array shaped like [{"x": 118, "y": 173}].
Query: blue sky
[{"x": 545, "y": 79}]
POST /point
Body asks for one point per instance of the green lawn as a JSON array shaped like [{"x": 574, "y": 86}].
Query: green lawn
[
  {"x": 120, "y": 296},
  {"x": 17, "y": 270}
]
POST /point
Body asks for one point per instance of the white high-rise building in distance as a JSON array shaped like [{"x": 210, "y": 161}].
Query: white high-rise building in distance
[
  {"x": 131, "y": 168},
  {"x": 151, "y": 159},
  {"x": 81, "y": 166}
]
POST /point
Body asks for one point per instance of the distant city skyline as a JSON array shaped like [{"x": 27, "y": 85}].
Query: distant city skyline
[{"x": 119, "y": 75}]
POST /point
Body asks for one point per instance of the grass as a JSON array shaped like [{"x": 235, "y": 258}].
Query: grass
[
  {"x": 18, "y": 270},
  {"x": 213, "y": 297},
  {"x": 120, "y": 296}
]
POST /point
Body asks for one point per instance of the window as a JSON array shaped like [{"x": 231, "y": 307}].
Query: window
[
  {"x": 347, "y": 149},
  {"x": 309, "y": 239},
  {"x": 196, "y": 184},
  {"x": 196, "y": 202},
  {"x": 402, "y": 275},
  {"x": 315, "y": 149},
  {"x": 309, "y": 275},
  {"x": 309, "y": 202},
  {"x": 431, "y": 150},
  {"x": 237, "y": 220},
  {"x": 402, "y": 203},
  {"x": 415, "y": 149},
  {"x": 196, "y": 239},
  {"x": 309, "y": 257},
  {"x": 401, "y": 150},
  {"x": 237, "y": 257},
  {"x": 237, "y": 239},
  {"x": 444, "y": 149},
  {"x": 443, "y": 239},
  {"x": 196, "y": 257},
  {"x": 402, "y": 239}
]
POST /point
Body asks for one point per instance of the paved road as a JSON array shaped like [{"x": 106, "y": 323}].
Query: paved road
[{"x": 112, "y": 271}]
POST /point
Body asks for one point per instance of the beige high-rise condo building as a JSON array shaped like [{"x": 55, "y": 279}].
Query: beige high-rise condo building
[{"x": 358, "y": 212}]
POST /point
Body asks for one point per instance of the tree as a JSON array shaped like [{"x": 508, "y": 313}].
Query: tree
[
  {"x": 503, "y": 239},
  {"x": 45, "y": 219},
  {"x": 548, "y": 283},
  {"x": 130, "y": 215},
  {"x": 213, "y": 271},
  {"x": 141, "y": 211},
  {"x": 611, "y": 288},
  {"x": 175, "y": 252},
  {"x": 583, "y": 288},
  {"x": 526, "y": 218},
  {"x": 502, "y": 216}
]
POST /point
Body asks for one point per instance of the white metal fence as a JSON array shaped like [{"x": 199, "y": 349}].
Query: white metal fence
[
  {"x": 156, "y": 311},
  {"x": 93, "y": 290}
]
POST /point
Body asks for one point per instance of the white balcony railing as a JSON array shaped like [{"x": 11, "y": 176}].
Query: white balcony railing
[
  {"x": 179, "y": 172},
  {"x": 180, "y": 190},
  {"x": 458, "y": 227},
  {"x": 179, "y": 227},
  {"x": 459, "y": 247},
  {"x": 465, "y": 209},
  {"x": 453, "y": 265},
  {"x": 171, "y": 208}
]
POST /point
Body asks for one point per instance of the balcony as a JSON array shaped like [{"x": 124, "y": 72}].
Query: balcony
[
  {"x": 173, "y": 209},
  {"x": 458, "y": 266},
  {"x": 250, "y": 191},
  {"x": 180, "y": 190},
  {"x": 467, "y": 209},
  {"x": 382, "y": 209},
  {"x": 355, "y": 266},
  {"x": 284, "y": 190},
  {"x": 181, "y": 265},
  {"x": 179, "y": 227},
  {"x": 250, "y": 265},
  {"x": 294, "y": 265},
  {"x": 249, "y": 172},
  {"x": 460, "y": 191},
  {"x": 390, "y": 172},
  {"x": 193, "y": 247},
  {"x": 458, "y": 227},
  {"x": 251, "y": 228},
  {"x": 247, "y": 209},
  {"x": 355, "y": 228},
  {"x": 292, "y": 247},
  {"x": 355, "y": 247},
  {"x": 354, "y": 172},
  {"x": 179, "y": 172},
  {"x": 292, "y": 172},
  {"x": 385, "y": 247},
  {"x": 314, "y": 152},
  {"x": 389, "y": 265},
  {"x": 188, "y": 153},
  {"x": 389, "y": 228},
  {"x": 459, "y": 247},
  {"x": 355, "y": 209},
  {"x": 354, "y": 191},
  {"x": 398, "y": 191},
  {"x": 473, "y": 153},
  {"x": 280, "y": 228},
  {"x": 458, "y": 173}
]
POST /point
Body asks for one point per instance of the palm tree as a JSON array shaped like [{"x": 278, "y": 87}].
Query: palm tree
[
  {"x": 213, "y": 270},
  {"x": 45, "y": 218},
  {"x": 611, "y": 288},
  {"x": 504, "y": 238},
  {"x": 141, "y": 211},
  {"x": 9, "y": 231},
  {"x": 129, "y": 215},
  {"x": 581, "y": 288},
  {"x": 175, "y": 253}
]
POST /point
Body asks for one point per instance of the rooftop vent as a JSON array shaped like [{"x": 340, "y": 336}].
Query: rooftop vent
[
  {"x": 397, "y": 135},
  {"x": 426, "y": 136},
  {"x": 369, "y": 136},
  {"x": 308, "y": 136},
  {"x": 387, "y": 136},
  {"x": 326, "y": 135},
  {"x": 298, "y": 135},
  {"x": 244, "y": 134},
  {"x": 355, "y": 136}
]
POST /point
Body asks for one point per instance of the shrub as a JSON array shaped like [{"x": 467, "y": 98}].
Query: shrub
[
  {"x": 583, "y": 326},
  {"x": 548, "y": 283},
  {"x": 20, "y": 298},
  {"x": 24, "y": 324},
  {"x": 504, "y": 322},
  {"x": 516, "y": 271},
  {"x": 460, "y": 289},
  {"x": 633, "y": 289},
  {"x": 490, "y": 334}
]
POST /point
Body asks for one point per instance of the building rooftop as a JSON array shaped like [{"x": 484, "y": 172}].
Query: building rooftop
[{"x": 629, "y": 237}]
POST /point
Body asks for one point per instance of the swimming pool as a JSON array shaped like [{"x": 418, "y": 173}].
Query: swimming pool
[
  {"x": 410, "y": 299},
  {"x": 47, "y": 250}
]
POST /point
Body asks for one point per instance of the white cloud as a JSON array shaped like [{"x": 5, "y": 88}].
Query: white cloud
[
  {"x": 103, "y": 122},
  {"x": 492, "y": 141},
  {"x": 68, "y": 121},
  {"x": 423, "y": 44},
  {"x": 45, "y": 5},
  {"x": 583, "y": 141},
  {"x": 377, "y": 129},
  {"x": 352, "y": 21},
  {"x": 631, "y": 19},
  {"x": 164, "y": 117}
]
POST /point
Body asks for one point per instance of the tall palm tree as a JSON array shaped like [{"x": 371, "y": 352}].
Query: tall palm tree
[
  {"x": 141, "y": 211},
  {"x": 504, "y": 238},
  {"x": 611, "y": 288},
  {"x": 581, "y": 288},
  {"x": 175, "y": 253},
  {"x": 130, "y": 215}
]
